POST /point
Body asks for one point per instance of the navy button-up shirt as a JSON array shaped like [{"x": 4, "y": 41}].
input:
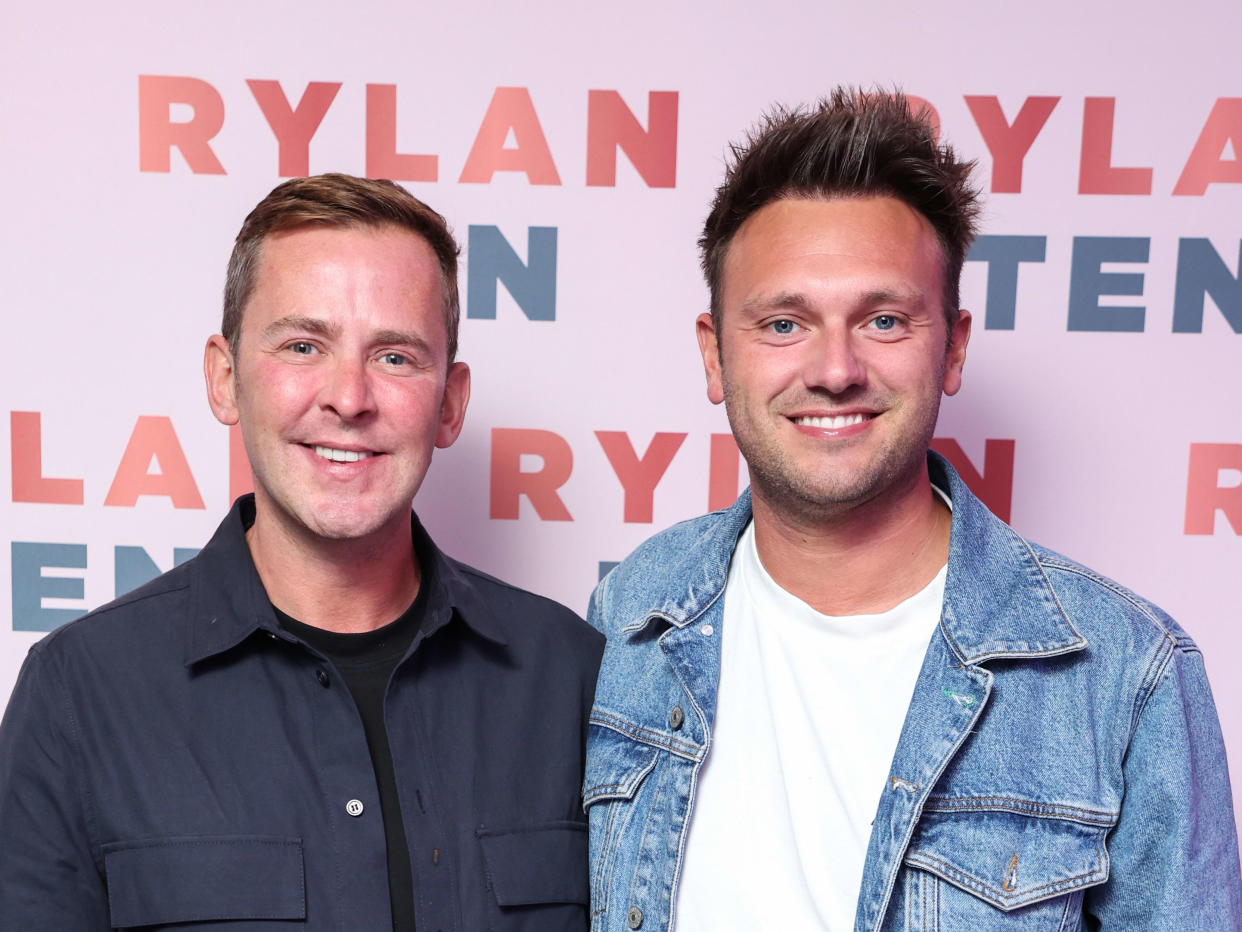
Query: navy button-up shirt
[{"x": 176, "y": 757}]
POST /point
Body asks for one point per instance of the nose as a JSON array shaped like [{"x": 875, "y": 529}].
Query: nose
[
  {"x": 347, "y": 390},
  {"x": 833, "y": 363}
]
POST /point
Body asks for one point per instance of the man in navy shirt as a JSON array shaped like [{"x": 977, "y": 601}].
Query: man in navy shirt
[{"x": 321, "y": 720}]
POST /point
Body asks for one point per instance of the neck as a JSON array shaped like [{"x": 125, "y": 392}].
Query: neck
[
  {"x": 347, "y": 586},
  {"x": 860, "y": 561}
]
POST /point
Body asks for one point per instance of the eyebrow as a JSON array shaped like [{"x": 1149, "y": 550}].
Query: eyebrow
[
  {"x": 798, "y": 301},
  {"x": 790, "y": 299},
  {"x": 402, "y": 338},
  {"x": 894, "y": 296},
  {"x": 294, "y": 322}
]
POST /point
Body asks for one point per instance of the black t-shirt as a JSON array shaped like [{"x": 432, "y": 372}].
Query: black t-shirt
[{"x": 365, "y": 662}]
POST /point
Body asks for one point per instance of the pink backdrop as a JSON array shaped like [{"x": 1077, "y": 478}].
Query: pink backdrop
[{"x": 576, "y": 150}]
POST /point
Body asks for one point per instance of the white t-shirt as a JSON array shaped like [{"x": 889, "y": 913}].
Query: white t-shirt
[{"x": 809, "y": 710}]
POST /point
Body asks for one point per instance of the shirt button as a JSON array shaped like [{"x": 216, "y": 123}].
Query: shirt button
[
  {"x": 707, "y": 631},
  {"x": 675, "y": 718},
  {"x": 634, "y": 918},
  {"x": 322, "y": 675},
  {"x": 354, "y": 807}
]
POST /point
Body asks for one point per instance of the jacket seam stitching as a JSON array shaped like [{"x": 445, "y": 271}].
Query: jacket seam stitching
[
  {"x": 645, "y": 735},
  {"x": 657, "y": 791},
  {"x": 1024, "y": 807},
  {"x": 631, "y": 783},
  {"x": 1065, "y": 914},
  {"x": 1156, "y": 668},
  {"x": 1141, "y": 605},
  {"x": 125, "y": 601},
  {"x": 600, "y": 885},
  {"x": 73, "y": 732}
]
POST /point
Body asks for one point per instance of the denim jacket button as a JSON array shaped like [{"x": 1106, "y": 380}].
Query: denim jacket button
[
  {"x": 634, "y": 918},
  {"x": 675, "y": 718}
]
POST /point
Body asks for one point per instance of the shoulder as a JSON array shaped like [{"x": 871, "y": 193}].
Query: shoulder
[
  {"x": 1013, "y": 590},
  {"x": 128, "y": 650},
  {"x": 1100, "y": 607},
  {"x": 113, "y": 627},
  {"x": 696, "y": 538},
  {"x": 676, "y": 572},
  {"x": 522, "y": 615}
]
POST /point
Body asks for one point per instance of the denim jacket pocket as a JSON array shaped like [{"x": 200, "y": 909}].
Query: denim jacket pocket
[
  {"x": 1006, "y": 863},
  {"x": 537, "y": 874},
  {"x": 204, "y": 879},
  {"x": 615, "y": 770}
]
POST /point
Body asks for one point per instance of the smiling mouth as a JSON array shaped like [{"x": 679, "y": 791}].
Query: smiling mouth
[
  {"x": 340, "y": 456},
  {"x": 832, "y": 423}
]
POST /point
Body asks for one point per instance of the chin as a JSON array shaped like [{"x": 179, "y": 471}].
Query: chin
[
  {"x": 345, "y": 526},
  {"x": 833, "y": 489}
]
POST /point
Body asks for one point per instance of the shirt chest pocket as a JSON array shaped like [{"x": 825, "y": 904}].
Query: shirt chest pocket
[
  {"x": 537, "y": 875},
  {"x": 229, "y": 879},
  {"x": 1001, "y": 868}
]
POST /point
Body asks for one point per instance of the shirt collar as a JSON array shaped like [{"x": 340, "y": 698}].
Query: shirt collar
[
  {"x": 228, "y": 601},
  {"x": 454, "y": 594}
]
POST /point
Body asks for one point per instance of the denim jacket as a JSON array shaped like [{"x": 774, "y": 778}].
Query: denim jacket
[{"x": 1060, "y": 767}]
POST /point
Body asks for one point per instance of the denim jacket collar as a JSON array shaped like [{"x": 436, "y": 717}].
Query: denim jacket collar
[
  {"x": 703, "y": 568},
  {"x": 998, "y": 601}
]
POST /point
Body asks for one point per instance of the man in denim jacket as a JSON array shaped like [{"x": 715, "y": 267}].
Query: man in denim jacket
[{"x": 857, "y": 699}]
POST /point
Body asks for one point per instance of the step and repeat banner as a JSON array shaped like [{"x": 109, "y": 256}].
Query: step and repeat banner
[{"x": 574, "y": 150}]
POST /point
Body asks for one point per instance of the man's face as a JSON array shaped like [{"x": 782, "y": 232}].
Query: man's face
[
  {"x": 341, "y": 381},
  {"x": 831, "y": 353}
]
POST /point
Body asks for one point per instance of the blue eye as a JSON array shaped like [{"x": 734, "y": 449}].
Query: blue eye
[
  {"x": 394, "y": 359},
  {"x": 302, "y": 348},
  {"x": 782, "y": 327},
  {"x": 885, "y": 322}
]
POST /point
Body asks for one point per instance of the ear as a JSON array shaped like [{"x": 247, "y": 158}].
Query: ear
[
  {"x": 221, "y": 376},
  {"x": 955, "y": 358},
  {"x": 709, "y": 346},
  {"x": 453, "y": 408}
]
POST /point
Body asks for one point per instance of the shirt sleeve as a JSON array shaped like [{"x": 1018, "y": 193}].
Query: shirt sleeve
[
  {"x": 48, "y": 877},
  {"x": 1173, "y": 855}
]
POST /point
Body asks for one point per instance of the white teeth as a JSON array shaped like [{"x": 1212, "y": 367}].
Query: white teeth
[
  {"x": 831, "y": 423},
  {"x": 340, "y": 456}
]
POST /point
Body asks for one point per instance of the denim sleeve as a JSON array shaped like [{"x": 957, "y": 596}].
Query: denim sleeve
[
  {"x": 1174, "y": 852},
  {"x": 595, "y": 610},
  {"x": 48, "y": 878}
]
